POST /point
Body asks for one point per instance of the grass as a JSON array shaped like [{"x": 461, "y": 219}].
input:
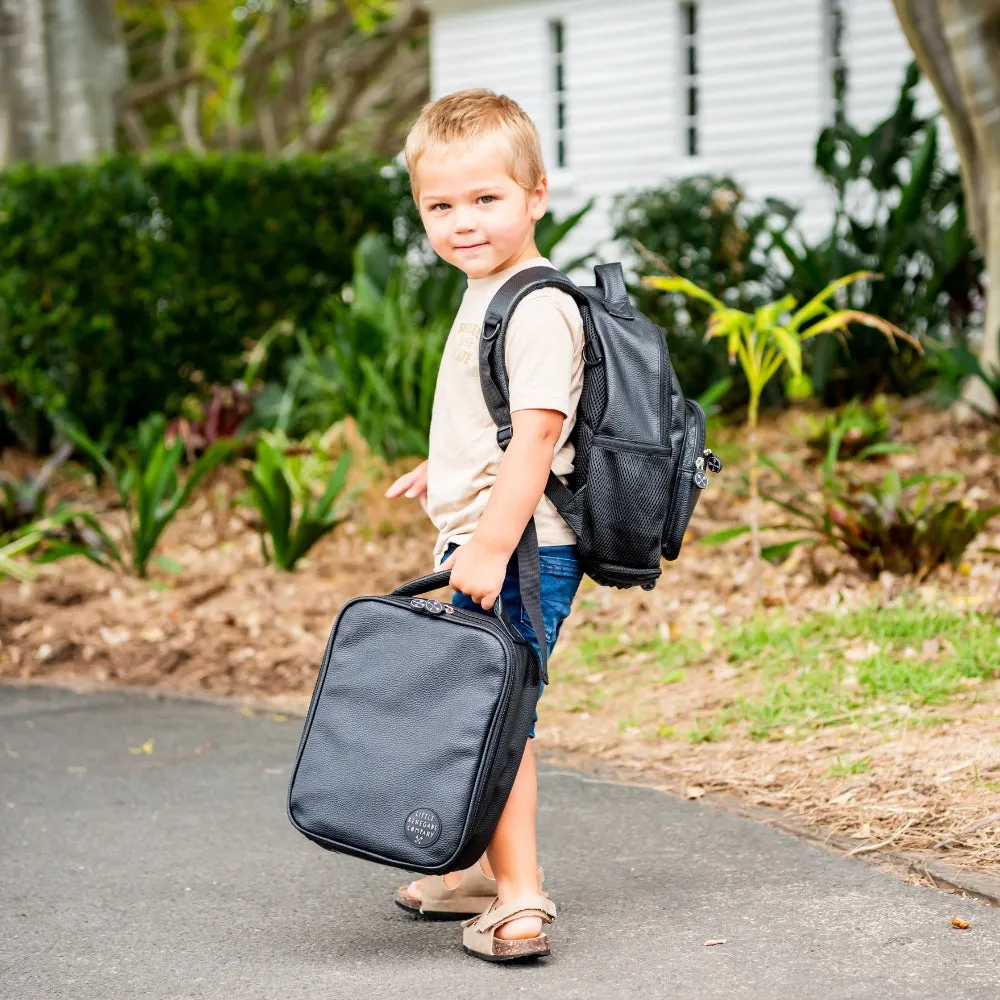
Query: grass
[
  {"x": 869, "y": 667},
  {"x": 841, "y": 769}
]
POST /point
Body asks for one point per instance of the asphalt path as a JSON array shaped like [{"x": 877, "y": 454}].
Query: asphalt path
[{"x": 145, "y": 852}]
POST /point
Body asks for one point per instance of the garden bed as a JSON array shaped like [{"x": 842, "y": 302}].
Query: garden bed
[{"x": 678, "y": 685}]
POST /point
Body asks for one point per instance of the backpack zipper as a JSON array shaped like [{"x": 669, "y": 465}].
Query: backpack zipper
[{"x": 693, "y": 409}]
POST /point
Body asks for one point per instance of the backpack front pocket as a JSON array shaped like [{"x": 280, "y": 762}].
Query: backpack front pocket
[
  {"x": 633, "y": 482},
  {"x": 687, "y": 490}
]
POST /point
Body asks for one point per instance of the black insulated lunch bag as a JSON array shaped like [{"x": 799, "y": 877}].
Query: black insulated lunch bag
[{"x": 417, "y": 725}]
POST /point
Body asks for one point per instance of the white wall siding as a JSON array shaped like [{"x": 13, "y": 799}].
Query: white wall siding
[
  {"x": 620, "y": 96},
  {"x": 765, "y": 94},
  {"x": 878, "y": 54},
  {"x": 763, "y": 77}
]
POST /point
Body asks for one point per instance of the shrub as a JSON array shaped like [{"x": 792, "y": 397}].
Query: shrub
[
  {"x": 857, "y": 431},
  {"x": 372, "y": 360},
  {"x": 704, "y": 229},
  {"x": 953, "y": 365},
  {"x": 281, "y": 485},
  {"x": 905, "y": 526},
  {"x": 766, "y": 341},
  {"x": 23, "y": 500},
  {"x": 146, "y": 479},
  {"x": 900, "y": 213},
  {"x": 125, "y": 285}
]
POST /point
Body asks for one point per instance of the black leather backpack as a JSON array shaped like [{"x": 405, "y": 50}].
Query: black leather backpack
[{"x": 641, "y": 459}]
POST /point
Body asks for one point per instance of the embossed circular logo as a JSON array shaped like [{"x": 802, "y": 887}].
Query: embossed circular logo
[{"x": 423, "y": 827}]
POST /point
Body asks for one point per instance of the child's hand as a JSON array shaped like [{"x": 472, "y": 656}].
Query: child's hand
[
  {"x": 477, "y": 572},
  {"x": 413, "y": 484}
]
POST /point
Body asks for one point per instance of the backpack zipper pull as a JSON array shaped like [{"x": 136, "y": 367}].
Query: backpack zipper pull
[
  {"x": 707, "y": 459},
  {"x": 712, "y": 461},
  {"x": 700, "y": 479}
]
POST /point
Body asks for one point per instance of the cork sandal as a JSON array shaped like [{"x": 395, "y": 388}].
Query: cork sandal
[
  {"x": 474, "y": 892},
  {"x": 469, "y": 898},
  {"x": 479, "y": 934}
]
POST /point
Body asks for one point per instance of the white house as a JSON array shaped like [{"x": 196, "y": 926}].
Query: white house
[{"x": 627, "y": 93}]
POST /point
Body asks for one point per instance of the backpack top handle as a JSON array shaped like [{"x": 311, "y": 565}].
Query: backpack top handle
[{"x": 611, "y": 282}]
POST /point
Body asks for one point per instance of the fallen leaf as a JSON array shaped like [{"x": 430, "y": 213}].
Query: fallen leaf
[
  {"x": 865, "y": 652},
  {"x": 840, "y": 799},
  {"x": 147, "y": 747},
  {"x": 278, "y": 718},
  {"x": 709, "y": 944},
  {"x": 114, "y": 636},
  {"x": 959, "y": 923}
]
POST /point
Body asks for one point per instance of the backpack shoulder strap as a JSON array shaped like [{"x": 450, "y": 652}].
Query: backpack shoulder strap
[{"x": 492, "y": 369}]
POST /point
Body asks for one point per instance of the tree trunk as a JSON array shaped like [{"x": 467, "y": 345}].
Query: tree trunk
[
  {"x": 25, "y": 107},
  {"x": 62, "y": 79},
  {"x": 957, "y": 45}
]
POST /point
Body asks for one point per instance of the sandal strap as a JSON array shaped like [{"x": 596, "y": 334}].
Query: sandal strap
[{"x": 524, "y": 906}]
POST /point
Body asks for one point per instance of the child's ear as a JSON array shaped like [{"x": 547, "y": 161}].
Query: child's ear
[{"x": 538, "y": 200}]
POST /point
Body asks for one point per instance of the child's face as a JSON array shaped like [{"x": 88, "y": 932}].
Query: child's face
[{"x": 476, "y": 215}]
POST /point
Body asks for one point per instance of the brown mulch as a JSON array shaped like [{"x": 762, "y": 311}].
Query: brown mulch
[{"x": 230, "y": 626}]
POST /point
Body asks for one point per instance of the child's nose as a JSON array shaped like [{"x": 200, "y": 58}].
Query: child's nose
[{"x": 464, "y": 220}]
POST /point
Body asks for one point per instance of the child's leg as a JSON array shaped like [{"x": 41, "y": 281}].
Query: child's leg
[{"x": 512, "y": 852}]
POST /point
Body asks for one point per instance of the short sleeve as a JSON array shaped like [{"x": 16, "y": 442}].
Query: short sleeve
[{"x": 543, "y": 350}]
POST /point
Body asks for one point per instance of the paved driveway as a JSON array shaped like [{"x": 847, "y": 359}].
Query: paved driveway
[{"x": 175, "y": 874}]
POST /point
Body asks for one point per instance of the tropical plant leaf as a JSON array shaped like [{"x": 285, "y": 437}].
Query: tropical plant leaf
[
  {"x": 727, "y": 534},
  {"x": 683, "y": 285}
]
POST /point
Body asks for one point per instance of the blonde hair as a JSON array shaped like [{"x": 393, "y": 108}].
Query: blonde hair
[{"x": 469, "y": 115}]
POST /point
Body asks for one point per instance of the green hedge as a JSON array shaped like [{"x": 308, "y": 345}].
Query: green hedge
[{"x": 124, "y": 284}]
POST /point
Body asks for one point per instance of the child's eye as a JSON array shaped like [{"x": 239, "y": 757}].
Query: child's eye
[
  {"x": 440, "y": 205},
  {"x": 487, "y": 199}
]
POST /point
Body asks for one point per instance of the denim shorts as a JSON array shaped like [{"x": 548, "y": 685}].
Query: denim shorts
[{"x": 560, "y": 576}]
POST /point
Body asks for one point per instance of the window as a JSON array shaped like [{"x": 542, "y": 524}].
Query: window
[
  {"x": 836, "y": 18},
  {"x": 689, "y": 76},
  {"x": 557, "y": 51}
]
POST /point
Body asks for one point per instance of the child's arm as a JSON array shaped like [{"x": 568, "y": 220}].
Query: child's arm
[{"x": 478, "y": 568}]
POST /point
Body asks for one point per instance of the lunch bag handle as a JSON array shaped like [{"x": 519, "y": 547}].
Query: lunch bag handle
[{"x": 527, "y": 558}]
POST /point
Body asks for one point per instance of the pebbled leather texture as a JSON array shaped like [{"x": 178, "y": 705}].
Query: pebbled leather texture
[{"x": 418, "y": 719}]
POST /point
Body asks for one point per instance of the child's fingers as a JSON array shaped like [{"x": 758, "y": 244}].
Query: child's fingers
[
  {"x": 399, "y": 485},
  {"x": 418, "y": 486}
]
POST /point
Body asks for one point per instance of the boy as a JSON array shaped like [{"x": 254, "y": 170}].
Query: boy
[{"x": 478, "y": 179}]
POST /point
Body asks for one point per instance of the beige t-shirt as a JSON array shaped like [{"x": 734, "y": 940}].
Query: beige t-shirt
[{"x": 544, "y": 355}]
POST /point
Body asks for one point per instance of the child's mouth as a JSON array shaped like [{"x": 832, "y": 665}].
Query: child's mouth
[{"x": 470, "y": 247}]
